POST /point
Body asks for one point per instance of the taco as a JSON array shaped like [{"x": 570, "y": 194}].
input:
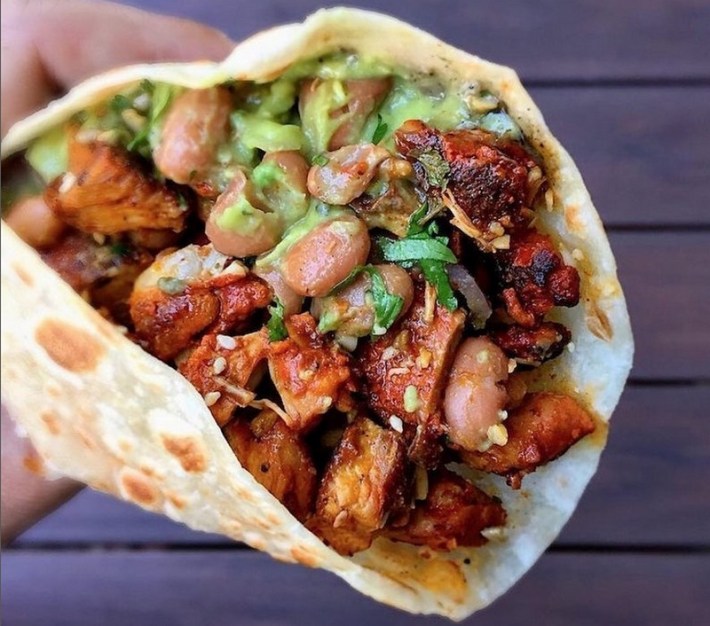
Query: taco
[{"x": 342, "y": 297}]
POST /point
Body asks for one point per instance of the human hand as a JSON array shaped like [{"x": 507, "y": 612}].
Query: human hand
[{"x": 47, "y": 47}]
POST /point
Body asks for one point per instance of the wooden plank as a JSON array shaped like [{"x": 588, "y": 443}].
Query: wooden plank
[
  {"x": 620, "y": 139},
  {"x": 554, "y": 39},
  {"x": 245, "y": 588},
  {"x": 647, "y": 490},
  {"x": 657, "y": 446},
  {"x": 666, "y": 278}
]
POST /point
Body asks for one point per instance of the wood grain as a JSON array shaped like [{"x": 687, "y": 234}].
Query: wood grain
[
  {"x": 666, "y": 277},
  {"x": 577, "y": 40},
  {"x": 246, "y": 588},
  {"x": 643, "y": 152},
  {"x": 645, "y": 493}
]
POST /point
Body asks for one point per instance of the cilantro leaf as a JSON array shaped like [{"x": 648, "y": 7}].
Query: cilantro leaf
[
  {"x": 416, "y": 248},
  {"x": 436, "y": 274},
  {"x": 387, "y": 305},
  {"x": 119, "y": 103},
  {"x": 415, "y": 227},
  {"x": 436, "y": 168},
  {"x": 380, "y": 131},
  {"x": 422, "y": 247},
  {"x": 275, "y": 325},
  {"x": 161, "y": 95}
]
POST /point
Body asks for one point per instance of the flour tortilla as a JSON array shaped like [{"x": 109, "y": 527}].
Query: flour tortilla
[{"x": 103, "y": 411}]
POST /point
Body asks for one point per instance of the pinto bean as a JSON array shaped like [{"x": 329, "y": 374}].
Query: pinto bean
[
  {"x": 345, "y": 119},
  {"x": 364, "y": 96},
  {"x": 325, "y": 256},
  {"x": 197, "y": 122},
  {"x": 258, "y": 229},
  {"x": 352, "y": 312},
  {"x": 290, "y": 300},
  {"x": 347, "y": 173},
  {"x": 35, "y": 223},
  {"x": 293, "y": 165},
  {"x": 475, "y": 392}
]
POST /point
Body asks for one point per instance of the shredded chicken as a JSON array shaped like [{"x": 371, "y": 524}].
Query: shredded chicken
[
  {"x": 311, "y": 374},
  {"x": 225, "y": 370}
]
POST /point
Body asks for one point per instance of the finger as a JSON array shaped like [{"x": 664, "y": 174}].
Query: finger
[
  {"x": 49, "y": 46},
  {"x": 25, "y": 496}
]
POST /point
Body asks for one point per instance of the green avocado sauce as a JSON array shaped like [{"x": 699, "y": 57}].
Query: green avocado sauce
[{"x": 268, "y": 118}]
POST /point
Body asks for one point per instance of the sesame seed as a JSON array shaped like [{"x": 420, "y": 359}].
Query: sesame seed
[
  {"x": 306, "y": 374},
  {"x": 485, "y": 445},
  {"x": 68, "y": 182},
  {"x": 512, "y": 364},
  {"x": 424, "y": 358},
  {"x": 411, "y": 399},
  {"x": 498, "y": 434},
  {"x": 482, "y": 356},
  {"x": 421, "y": 483},
  {"x": 134, "y": 120},
  {"x": 502, "y": 415},
  {"x": 228, "y": 343},
  {"x": 396, "y": 423},
  {"x": 401, "y": 340},
  {"x": 141, "y": 102},
  {"x": 496, "y": 228},
  {"x": 494, "y": 533},
  {"x": 570, "y": 346},
  {"x": 501, "y": 243},
  {"x": 397, "y": 370},
  {"x": 326, "y": 402},
  {"x": 534, "y": 175},
  {"x": 219, "y": 365},
  {"x": 212, "y": 397},
  {"x": 340, "y": 519},
  {"x": 99, "y": 238},
  {"x": 577, "y": 254},
  {"x": 550, "y": 199},
  {"x": 389, "y": 352}
]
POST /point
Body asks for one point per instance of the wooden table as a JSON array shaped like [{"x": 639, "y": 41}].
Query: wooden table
[{"x": 626, "y": 87}]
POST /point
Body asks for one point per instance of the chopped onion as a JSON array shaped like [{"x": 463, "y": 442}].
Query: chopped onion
[{"x": 476, "y": 300}]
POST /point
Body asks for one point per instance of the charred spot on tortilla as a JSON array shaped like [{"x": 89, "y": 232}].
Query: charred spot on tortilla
[
  {"x": 137, "y": 487},
  {"x": 69, "y": 346},
  {"x": 188, "y": 450},
  {"x": 362, "y": 271}
]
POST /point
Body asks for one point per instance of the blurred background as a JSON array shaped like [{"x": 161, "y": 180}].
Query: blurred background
[{"x": 625, "y": 86}]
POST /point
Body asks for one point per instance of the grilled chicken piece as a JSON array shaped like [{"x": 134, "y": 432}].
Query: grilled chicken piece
[
  {"x": 535, "y": 278},
  {"x": 406, "y": 369},
  {"x": 225, "y": 370},
  {"x": 541, "y": 429},
  {"x": 193, "y": 290},
  {"x": 487, "y": 177},
  {"x": 275, "y": 456},
  {"x": 532, "y": 346},
  {"x": 365, "y": 481},
  {"x": 311, "y": 373},
  {"x": 106, "y": 191},
  {"x": 102, "y": 274},
  {"x": 453, "y": 515}
]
